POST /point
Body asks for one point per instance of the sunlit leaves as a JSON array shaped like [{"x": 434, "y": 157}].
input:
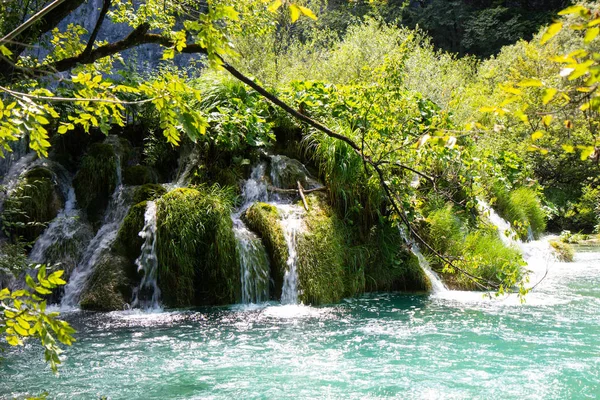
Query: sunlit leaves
[
  {"x": 549, "y": 95},
  {"x": 551, "y": 32},
  {"x": 23, "y": 315}
]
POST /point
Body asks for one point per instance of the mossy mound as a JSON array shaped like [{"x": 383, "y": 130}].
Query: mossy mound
[
  {"x": 476, "y": 250},
  {"x": 109, "y": 289},
  {"x": 263, "y": 219},
  {"x": 330, "y": 266},
  {"x": 128, "y": 242},
  {"x": 388, "y": 263},
  {"x": 139, "y": 175},
  {"x": 522, "y": 208},
  {"x": 146, "y": 192},
  {"x": 96, "y": 180},
  {"x": 564, "y": 251},
  {"x": 196, "y": 247},
  {"x": 321, "y": 249},
  {"x": 35, "y": 202}
]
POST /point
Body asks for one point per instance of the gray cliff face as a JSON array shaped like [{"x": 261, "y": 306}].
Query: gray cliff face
[{"x": 141, "y": 59}]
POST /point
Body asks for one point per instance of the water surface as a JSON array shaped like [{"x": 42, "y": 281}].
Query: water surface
[{"x": 453, "y": 346}]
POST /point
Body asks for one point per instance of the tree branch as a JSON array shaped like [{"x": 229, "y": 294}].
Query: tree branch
[{"x": 99, "y": 22}]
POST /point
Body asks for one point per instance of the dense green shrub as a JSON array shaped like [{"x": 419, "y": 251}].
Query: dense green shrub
[
  {"x": 196, "y": 248},
  {"x": 522, "y": 209}
]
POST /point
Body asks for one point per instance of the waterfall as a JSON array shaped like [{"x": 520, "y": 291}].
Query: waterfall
[
  {"x": 11, "y": 179},
  {"x": 254, "y": 265},
  {"x": 254, "y": 261},
  {"x": 68, "y": 229},
  {"x": 437, "y": 286},
  {"x": 505, "y": 231},
  {"x": 147, "y": 294},
  {"x": 536, "y": 253},
  {"x": 115, "y": 214},
  {"x": 291, "y": 223}
]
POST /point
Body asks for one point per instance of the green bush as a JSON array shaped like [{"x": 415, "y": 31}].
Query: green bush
[
  {"x": 522, "y": 209},
  {"x": 196, "y": 248}
]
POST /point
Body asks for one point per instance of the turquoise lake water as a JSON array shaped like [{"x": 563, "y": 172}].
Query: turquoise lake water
[{"x": 454, "y": 345}]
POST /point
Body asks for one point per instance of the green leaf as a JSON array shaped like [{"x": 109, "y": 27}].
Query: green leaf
[
  {"x": 549, "y": 95},
  {"x": 537, "y": 135},
  {"x": 30, "y": 282},
  {"x": 530, "y": 83},
  {"x": 275, "y": 6},
  {"x": 5, "y": 51},
  {"x": 13, "y": 340},
  {"x": 294, "y": 12},
  {"x": 308, "y": 12},
  {"x": 591, "y": 34},
  {"x": 586, "y": 152},
  {"x": 42, "y": 290},
  {"x": 574, "y": 10},
  {"x": 551, "y": 32}
]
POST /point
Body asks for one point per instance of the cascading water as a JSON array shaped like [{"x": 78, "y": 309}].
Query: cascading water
[
  {"x": 68, "y": 229},
  {"x": 536, "y": 253},
  {"x": 505, "y": 231},
  {"x": 147, "y": 294},
  {"x": 254, "y": 261},
  {"x": 11, "y": 179},
  {"x": 115, "y": 214},
  {"x": 291, "y": 223},
  {"x": 437, "y": 286}
]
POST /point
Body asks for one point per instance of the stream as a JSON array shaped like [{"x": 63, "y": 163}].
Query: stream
[{"x": 458, "y": 345}]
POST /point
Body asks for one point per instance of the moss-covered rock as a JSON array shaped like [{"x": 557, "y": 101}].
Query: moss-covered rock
[
  {"x": 146, "y": 192},
  {"x": 321, "y": 249},
  {"x": 389, "y": 265},
  {"x": 128, "y": 242},
  {"x": 96, "y": 180},
  {"x": 331, "y": 264},
  {"x": 109, "y": 288},
  {"x": 139, "y": 175},
  {"x": 196, "y": 248},
  {"x": 564, "y": 251},
  {"x": 35, "y": 202},
  {"x": 264, "y": 219},
  {"x": 287, "y": 172}
]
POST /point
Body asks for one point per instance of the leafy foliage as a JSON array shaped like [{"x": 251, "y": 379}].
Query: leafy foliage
[{"x": 23, "y": 314}]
